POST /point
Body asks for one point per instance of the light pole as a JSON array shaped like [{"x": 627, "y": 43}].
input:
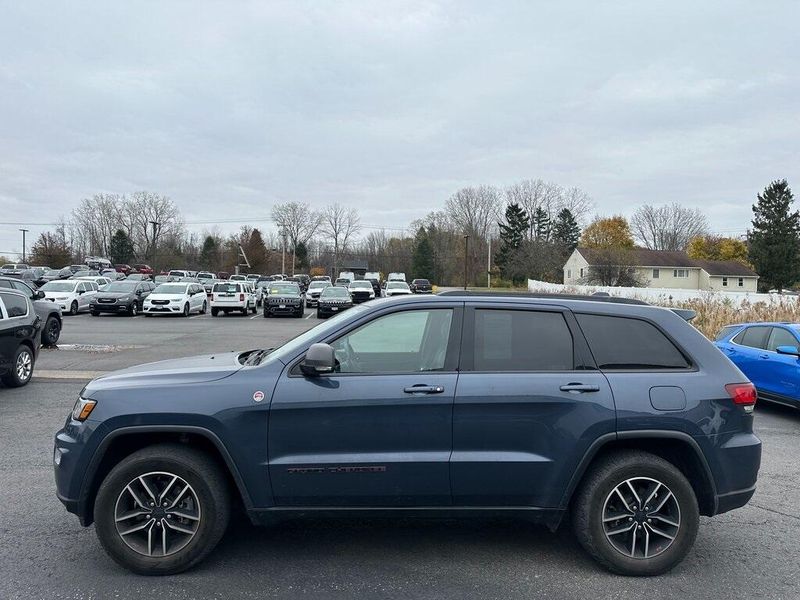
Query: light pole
[
  {"x": 466, "y": 255},
  {"x": 24, "y": 231},
  {"x": 155, "y": 225}
]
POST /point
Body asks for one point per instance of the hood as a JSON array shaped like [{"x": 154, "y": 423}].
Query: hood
[
  {"x": 52, "y": 294},
  {"x": 284, "y": 296},
  {"x": 102, "y": 294},
  {"x": 179, "y": 371}
]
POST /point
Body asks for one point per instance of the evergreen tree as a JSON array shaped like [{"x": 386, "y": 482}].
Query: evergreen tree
[
  {"x": 209, "y": 253},
  {"x": 422, "y": 256},
  {"x": 775, "y": 237},
  {"x": 566, "y": 231},
  {"x": 120, "y": 248},
  {"x": 541, "y": 224},
  {"x": 512, "y": 234},
  {"x": 300, "y": 256}
]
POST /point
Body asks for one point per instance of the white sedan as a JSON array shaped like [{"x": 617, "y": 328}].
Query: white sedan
[
  {"x": 176, "y": 298},
  {"x": 71, "y": 295},
  {"x": 100, "y": 280},
  {"x": 396, "y": 288}
]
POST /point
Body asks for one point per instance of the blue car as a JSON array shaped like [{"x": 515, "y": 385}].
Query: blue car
[{"x": 769, "y": 354}]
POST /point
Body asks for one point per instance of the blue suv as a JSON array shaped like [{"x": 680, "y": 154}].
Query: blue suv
[
  {"x": 618, "y": 413},
  {"x": 768, "y": 354}
]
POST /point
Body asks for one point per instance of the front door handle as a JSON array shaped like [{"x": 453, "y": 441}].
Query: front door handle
[
  {"x": 579, "y": 388},
  {"x": 764, "y": 356},
  {"x": 424, "y": 389}
]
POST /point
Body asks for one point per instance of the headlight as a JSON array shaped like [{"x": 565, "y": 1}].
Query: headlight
[
  {"x": 83, "y": 408},
  {"x": 61, "y": 298}
]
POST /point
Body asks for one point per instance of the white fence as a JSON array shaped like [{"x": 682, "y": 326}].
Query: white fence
[{"x": 659, "y": 295}]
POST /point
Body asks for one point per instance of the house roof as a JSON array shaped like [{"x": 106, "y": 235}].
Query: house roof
[{"x": 645, "y": 257}]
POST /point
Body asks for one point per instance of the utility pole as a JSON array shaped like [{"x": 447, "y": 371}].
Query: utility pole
[
  {"x": 283, "y": 250},
  {"x": 24, "y": 231},
  {"x": 155, "y": 225},
  {"x": 489, "y": 262},
  {"x": 466, "y": 259}
]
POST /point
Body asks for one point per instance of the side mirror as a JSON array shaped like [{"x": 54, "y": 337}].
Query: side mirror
[
  {"x": 790, "y": 350},
  {"x": 80, "y": 292},
  {"x": 319, "y": 359},
  {"x": 38, "y": 295}
]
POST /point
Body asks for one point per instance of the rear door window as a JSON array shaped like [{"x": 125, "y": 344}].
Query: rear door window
[
  {"x": 16, "y": 305},
  {"x": 625, "y": 343},
  {"x": 522, "y": 340},
  {"x": 754, "y": 337}
]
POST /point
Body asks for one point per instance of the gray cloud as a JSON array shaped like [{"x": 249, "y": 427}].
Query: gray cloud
[{"x": 230, "y": 107}]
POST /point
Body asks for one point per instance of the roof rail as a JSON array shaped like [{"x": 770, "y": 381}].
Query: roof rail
[{"x": 545, "y": 296}]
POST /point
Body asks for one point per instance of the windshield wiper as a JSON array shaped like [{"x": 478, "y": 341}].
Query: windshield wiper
[{"x": 255, "y": 357}]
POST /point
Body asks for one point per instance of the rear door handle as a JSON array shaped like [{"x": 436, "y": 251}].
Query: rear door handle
[
  {"x": 424, "y": 389},
  {"x": 764, "y": 356},
  {"x": 579, "y": 388}
]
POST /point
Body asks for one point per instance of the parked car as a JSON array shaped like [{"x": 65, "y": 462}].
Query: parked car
[
  {"x": 203, "y": 276},
  {"x": 361, "y": 291},
  {"x": 98, "y": 263},
  {"x": 396, "y": 277},
  {"x": 769, "y": 354},
  {"x": 237, "y": 278},
  {"x": 322, "y": 278},
  {"x": 230, "y": 296},
  {"x": 284, "y": 298},
  {"x": 143, "y": 277},
  {"x": 29, "y": 276},
  {"x": 342, "y": 282},
  {"x": 124, "y": 269},
  {"x": 158, "y": 279},
  {"x": 176, "y": 298},
  {"x": 101, "y": 281},
  {"x": 421, "y": 286},
  {"x": 314, "y": 290},
  {"x": 396, "y": 288},
  {"x": 178, "y": 274},
  {"x": 121, "y": 297},
  {"x": 143, "y": 269},
  {"x": 304, "y": 281},
  {"x": 223, "y": 275},
  {"x": 55, "y": 274},
  {"x": 20, "y": 337},
  {"x": 620, "y": 412},
  {"x": 253, "y": 277},
  {"x": 79, "y": 268},
  {"x": 333, "y": 300},
  {"x": 49, "y": 312},
  {"x": 70, "y": 295},
  {"x": 112, "y": 274},
  {"x": 85, "y": 273}
]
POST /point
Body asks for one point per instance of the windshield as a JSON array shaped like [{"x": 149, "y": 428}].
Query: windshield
[
  {"x": 366, "y": 285},
  {"x": 396, "y": 285},
  {"x": 59, "y": 286},
  {"x": 315, "y": 285},
  {"x": 421, "y": 282},
  {"x": 226, "y": 288},
  {"x": 120, "y": 286},
  {"x": 205, "y": 276},
  {"x": 284, "y": 288},
  {"x": 335, "y": 292},
  {"x": 170, "y": 288}
]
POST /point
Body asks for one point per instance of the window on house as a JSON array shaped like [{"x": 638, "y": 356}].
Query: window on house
[
  {"x": 569, "y": 273},
  {"x": 656, "y": 273},
  {"x": 680, "y": 273},
  {"x": 724, "y": 282},
  {"x": 741, "y": 281},
  {"x": 581, "y": 271}
]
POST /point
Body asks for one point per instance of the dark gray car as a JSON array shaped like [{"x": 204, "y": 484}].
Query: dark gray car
[{"x": 47, "y": 311}]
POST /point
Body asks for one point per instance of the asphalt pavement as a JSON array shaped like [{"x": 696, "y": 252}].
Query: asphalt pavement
[{"x": 44, "y": 553}]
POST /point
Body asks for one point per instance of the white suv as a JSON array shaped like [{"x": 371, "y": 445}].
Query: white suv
[
  {"x": 176, "y": 298},
  {"x": 228, "y": 296}
]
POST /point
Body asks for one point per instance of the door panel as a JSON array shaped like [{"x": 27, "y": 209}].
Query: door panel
[
  {"x": 781, "y": 371},
  {"x": 361, "y": 440}
]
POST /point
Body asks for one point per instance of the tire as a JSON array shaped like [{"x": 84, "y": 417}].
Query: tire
[
  {"x": 94, "y": 313},
  {"x": 21, "y": 369},
  {"x": 266, "y": 313},
  {"x": 319, "y": 316},
  {"x": 208, "y": 499},
  {"x": 596, "y": 499},
  {"x": 301, "y": 313},
  {"x": 133, "y": 310},
  {"x": 73, "y": 308},
  {"x": 214, "y": 312},
  {"x": 51, "y": 331},
  {"x": 186, "y": 310},
  {"x": 254, "y": 310},
  {"x": 204, "y": 310}
]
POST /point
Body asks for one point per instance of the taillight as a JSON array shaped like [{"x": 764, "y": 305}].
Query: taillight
[
  {"x": 743, "y": 394},
  {"x": 241, "y": 297}
]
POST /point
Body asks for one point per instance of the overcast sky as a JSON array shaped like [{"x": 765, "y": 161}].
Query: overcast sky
[{"x": 229, "y": 107}]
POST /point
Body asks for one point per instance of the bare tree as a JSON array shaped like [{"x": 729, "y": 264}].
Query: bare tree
[
  {"x": 578, "y": 202},
  {"x": 143, "y": 208},
  {"x": 533, "y": 194},
  {"x": 296, "y": 222},
  {"x": 668, "y": 227},
  {"x": 340, "y": 224},
  {"x": 474, "y": 210}
]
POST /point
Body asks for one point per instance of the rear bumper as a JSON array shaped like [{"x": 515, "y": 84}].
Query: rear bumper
[{"x": 736, "y": 459}]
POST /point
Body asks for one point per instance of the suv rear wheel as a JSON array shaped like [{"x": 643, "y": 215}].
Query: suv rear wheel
[
  {"x": 636, "y": 514},
  {"x": 162, "y": 509},
  {"x": 21, "y": 370},
  {"x": 51, "y": 331}
]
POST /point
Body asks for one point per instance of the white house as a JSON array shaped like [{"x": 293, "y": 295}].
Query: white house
[{"x": 662, "y": 269}]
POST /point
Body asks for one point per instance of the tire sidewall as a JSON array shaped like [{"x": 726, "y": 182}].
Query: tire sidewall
[
  {"x": 47, "y": 339},
  {"x": 73, "y": 308},
  {"x": 11, "y": 378},
  {"x": 204, "y": 541},
  {"x": 683, "y": 542}
]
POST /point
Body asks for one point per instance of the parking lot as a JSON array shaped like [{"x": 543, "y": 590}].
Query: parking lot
[{"x": 44, "y": 553}]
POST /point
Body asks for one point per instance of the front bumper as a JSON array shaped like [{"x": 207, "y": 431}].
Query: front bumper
[
  {"x": 71, "y": 454},
  {"x": 110, "y": 308},
  {"x": 359, "y": 298},
  {"x": 329, "y": 310},
  {"x": 283, "y": 308},
  {"x": 162, "y": 308}
]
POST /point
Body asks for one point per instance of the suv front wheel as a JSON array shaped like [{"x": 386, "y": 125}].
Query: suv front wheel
[
  {"x": 162, "y": 509},
  {"x": 636, "y": 514}
]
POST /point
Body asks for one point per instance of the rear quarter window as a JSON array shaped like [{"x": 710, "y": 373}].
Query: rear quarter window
[
  {"x": 725, "y": 332},
  {"x": 625, "y": 343}
]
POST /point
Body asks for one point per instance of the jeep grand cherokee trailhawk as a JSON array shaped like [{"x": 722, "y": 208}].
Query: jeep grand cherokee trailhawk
[{"x": 620, "y": 414}]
